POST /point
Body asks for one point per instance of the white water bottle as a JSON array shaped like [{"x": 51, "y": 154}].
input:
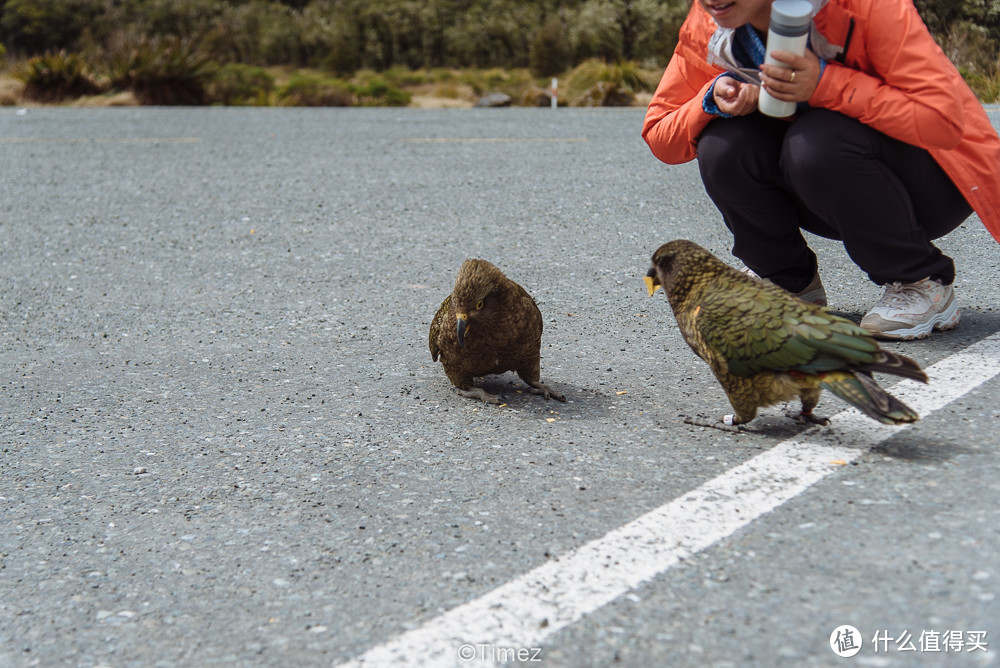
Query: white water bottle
[{"x": 788, "y": 31}]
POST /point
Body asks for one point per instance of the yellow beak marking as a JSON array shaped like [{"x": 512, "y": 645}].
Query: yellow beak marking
[{"x": 651, "y": 285}]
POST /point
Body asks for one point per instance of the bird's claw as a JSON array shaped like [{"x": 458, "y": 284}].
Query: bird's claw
[
  {"x": 546, "y": 392},
  {"x": 481, "y": 394},
  {"x": 804, "y": 417}
]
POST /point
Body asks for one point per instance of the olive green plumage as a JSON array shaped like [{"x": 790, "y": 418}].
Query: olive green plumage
[
  {"x": 488, "y": 324},
  {"x": 765, "y": 345}
]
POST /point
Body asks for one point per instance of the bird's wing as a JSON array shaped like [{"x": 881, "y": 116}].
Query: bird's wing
[
  {"x": 526, "y": 298},
  {"x": 758, "y": 328},
  {"x": 439, "y": 321},
  {"x": 522, "y": 293}
]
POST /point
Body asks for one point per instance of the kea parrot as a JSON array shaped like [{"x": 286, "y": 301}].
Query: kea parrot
[
  {"x": 766, "y": 346},
  {"x": 488, "y": 325}
]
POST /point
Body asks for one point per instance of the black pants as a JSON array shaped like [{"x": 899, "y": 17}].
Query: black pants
[{"x": 837, "y": 178}]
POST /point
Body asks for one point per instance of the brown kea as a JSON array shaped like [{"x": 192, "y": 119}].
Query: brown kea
[
  {"x": 488, "y": 325},
  {"x": 766, "y": 346}
]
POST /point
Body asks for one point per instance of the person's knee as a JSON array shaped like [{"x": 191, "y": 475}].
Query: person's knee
[
  {"x": 730, "y": 153},
  {"x": 718, "y": 148},
  {"x": 820, "y": 145}
]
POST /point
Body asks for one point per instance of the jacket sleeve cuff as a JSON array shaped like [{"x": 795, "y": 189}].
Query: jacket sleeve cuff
[{"x": 708, "y": 102}]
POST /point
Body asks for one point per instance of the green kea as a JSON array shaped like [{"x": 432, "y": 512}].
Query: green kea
[
  {"x": 488, "y": 324},
  {"x": 766, "y": 346}
]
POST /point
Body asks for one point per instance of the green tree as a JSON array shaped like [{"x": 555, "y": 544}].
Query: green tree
[
  {"x": 594, "y": 33},
  {"x": 258, "y": 33},
  {"x": 347, "y": 35},
  {"x": 940, "y": 15},
  {"x": 551, "y": 50},
  {"x": 36, "y": 26},
  {"x": 492, "y": 33},
  {"x": 967, "y": 30}
]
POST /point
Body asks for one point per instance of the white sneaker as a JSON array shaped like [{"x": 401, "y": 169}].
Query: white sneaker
[
  {"x": 910, "y": 311},
  {"x": 814, "y": 293}
]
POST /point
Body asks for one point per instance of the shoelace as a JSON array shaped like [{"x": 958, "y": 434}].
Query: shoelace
[{"x": 899, "y": 295}]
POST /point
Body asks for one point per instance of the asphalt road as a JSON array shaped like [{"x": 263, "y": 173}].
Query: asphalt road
[{"x": 224, "y": 441}]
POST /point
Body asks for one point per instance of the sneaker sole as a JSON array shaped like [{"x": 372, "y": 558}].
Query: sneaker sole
[{"x": 947, "y": 319}]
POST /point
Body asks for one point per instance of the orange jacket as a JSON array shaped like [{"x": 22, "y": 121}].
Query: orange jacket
[{"x": 892, "y": 77}]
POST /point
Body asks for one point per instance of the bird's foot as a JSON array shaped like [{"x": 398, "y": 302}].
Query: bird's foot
[
  {"x": 546, "y": 391},
  {"x": 727, "y": 423},
  {"x": 481, "y": 394},
  {"x": 808, "y": 417}
]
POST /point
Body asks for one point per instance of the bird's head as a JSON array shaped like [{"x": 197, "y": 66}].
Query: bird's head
[
  {"x": 476, "y": 296},
  {"x": 674, "y": 264}
]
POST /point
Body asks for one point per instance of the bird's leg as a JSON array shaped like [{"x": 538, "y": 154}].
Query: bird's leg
[
  {"x": 530, "y": 374},
  {"x": 809, "y": 397},
  {"x": 746, "y": 410},
  {"x": 546, "y": 391},
  {"x": 479, "y": 393},
  {"x": 729, "y": 423}
]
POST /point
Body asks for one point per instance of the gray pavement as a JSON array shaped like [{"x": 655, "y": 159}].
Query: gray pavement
[{"x": 224, "y": 441}]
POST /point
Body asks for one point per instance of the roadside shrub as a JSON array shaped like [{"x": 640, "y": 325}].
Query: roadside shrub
[
  {"x": 55, "y": 77},
  {"x": 159, "y": 70},
  {"x": 985, "y": 86},
  {"x": 596, "y": 84},
  {"x": 11, "y": 91},
  {"x": 403, "y": 76},
  {"x": 497, "y": 80},
  {"x": 314, "y": 90},
  {"x": 377, "y": 92},
  {"x": 449, "y": 90},
  {"x": 240, "y": 85}
]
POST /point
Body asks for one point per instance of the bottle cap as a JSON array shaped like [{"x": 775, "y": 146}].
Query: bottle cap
[{"x": 790, "y": 17}]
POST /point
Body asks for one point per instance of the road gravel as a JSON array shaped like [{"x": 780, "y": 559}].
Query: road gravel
[{"x": 223, "y": 440}]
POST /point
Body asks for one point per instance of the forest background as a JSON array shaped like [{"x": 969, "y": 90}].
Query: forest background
[{"x": 381, "y": 52}]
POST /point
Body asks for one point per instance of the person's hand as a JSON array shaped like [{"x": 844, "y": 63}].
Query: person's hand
[
  {"x": 795, "y": 83},
  {"x": 735, "y": 97}
]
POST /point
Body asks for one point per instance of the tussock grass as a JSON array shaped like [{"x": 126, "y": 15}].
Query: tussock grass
[
  {"x": 308, "y": 89},
  {"x": 594, "y": 83},
  {"x": 55, "y": 77},
  {"x": 159, "y": 70},
  {"x": 240, "y": 85}
]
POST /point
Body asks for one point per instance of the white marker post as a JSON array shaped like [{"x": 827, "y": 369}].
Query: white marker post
[{"x": 555, "y": 92}]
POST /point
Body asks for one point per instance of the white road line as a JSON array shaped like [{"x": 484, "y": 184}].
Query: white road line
[
  {"x": 99, "y": 140},
  {"x": 523, "y": 612}
]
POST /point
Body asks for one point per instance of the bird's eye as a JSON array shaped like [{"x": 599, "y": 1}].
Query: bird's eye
[{"x": 480, "y": 304}]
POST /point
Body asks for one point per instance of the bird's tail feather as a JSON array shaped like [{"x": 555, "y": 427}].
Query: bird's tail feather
[
  {"x": 895, "y": 364},
  {"x": 860, "y": 390}
]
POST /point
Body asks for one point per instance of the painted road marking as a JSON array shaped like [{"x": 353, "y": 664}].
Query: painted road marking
[
  {"x": 491, "y": 140},
  {"x": 99, "y": 140},
  {"x": 525, "y": 611}
]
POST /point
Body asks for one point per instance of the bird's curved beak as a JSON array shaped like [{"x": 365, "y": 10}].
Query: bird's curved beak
[
  {"x": 462, "y": 325},
  {"x": 652, "y": 281}
]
